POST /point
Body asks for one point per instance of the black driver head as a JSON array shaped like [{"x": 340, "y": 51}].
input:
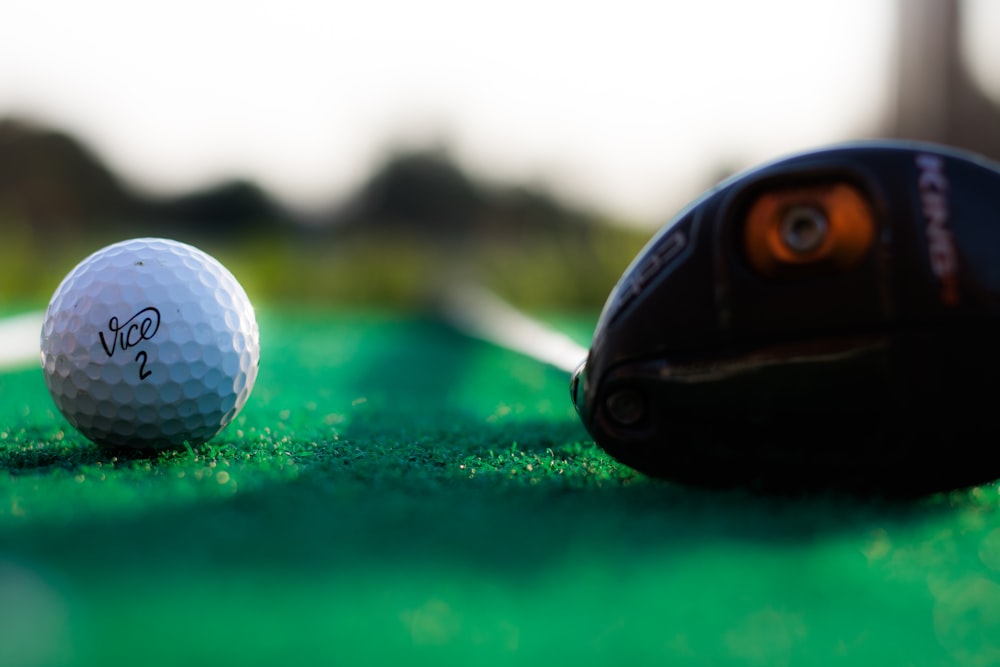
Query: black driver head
[{"x": 831, "y": 319}]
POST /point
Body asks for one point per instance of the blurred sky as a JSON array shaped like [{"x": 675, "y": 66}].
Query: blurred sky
[{"x": 626, "y": 104}]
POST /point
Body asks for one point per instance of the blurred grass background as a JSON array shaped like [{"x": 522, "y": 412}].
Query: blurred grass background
[{"x": 382, "y": 271}]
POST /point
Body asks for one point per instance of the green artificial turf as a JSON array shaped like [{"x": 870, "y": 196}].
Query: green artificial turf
[{"x": 395, "y": 493}]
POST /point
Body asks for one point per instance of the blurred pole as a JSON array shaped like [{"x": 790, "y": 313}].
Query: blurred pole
[{"x": 937, "y": 98}]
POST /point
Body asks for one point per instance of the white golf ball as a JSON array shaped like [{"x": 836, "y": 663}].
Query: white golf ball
[{"x": 150, "y": 343}]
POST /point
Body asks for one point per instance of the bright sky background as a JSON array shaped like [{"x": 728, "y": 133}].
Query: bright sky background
[{"x": 630, "y": 105}]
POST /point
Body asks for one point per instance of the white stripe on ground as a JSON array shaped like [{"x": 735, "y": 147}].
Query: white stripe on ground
[
  {"x": 477, "y": 312},
  {"x": 19, "y": 339}
]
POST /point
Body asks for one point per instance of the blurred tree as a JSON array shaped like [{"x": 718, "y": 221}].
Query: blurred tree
[
  {"x": 422, "y": 191},
  {"x": 52, "y": 186},
  {"x": 228, "y": 209},
  {"x": 51, "y": 182},
  {"x": 426, "y": 193}
]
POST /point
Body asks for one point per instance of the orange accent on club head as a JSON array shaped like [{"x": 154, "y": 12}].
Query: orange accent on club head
[{"x": 808, "y": 230}]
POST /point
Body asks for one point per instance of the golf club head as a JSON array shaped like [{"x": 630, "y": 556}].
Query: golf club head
[{"x": 828, "y": 320}]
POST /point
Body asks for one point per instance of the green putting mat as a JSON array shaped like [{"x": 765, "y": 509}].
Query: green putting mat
[{"x": 395, "y": 493}]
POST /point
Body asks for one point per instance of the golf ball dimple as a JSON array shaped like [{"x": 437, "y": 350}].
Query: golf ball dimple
[{"x": 150, "y": 343}]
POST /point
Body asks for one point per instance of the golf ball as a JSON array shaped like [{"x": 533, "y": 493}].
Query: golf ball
[{"x": 150, "y": 343}]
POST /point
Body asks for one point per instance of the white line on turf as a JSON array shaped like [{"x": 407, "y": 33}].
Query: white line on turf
[
  {"x": 478, "y": 312},
  {"x": 19, "y": 339}
]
